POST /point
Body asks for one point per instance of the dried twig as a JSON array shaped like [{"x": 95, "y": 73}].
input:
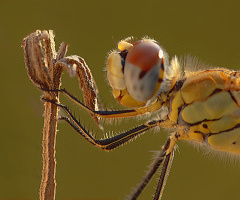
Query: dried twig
[
  {"x": 41, "y": 70},
  {"x": 44, "y": 67},
  {"x": 76, "y": 65}
]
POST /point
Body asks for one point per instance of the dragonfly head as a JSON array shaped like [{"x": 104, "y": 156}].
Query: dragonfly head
[{"x": 136, "y": 71}]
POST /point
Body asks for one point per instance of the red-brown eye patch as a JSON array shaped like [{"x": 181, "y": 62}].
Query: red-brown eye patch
[{"x": 144, "y": 55}]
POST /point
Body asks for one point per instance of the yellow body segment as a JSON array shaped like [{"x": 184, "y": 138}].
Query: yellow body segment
[
  {"x": 214, "y": 107},
  {"x": 226, "y": 141},
  {"x": 201, "y": 84},
  {"x": 207, "y": 105}
]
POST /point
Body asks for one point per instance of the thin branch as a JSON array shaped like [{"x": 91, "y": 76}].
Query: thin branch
[{"x": 40, "y": 63}]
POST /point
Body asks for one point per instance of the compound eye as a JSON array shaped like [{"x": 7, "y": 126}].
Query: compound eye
[{"x": 143, "y": 70}]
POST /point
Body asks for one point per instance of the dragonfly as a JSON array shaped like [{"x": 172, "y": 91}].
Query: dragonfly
[{"x": 201, "y": 106}]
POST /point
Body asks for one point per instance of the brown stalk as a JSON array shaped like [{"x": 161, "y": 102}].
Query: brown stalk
[
  {"x": 44, "y": 67},
  {"x": 40, "y": 63}
]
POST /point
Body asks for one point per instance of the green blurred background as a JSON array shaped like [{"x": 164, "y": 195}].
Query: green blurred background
[{"x": 207, "y": 29}]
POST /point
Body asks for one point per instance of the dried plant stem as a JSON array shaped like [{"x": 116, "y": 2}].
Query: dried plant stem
[
  {"x": 40, "y": 63},
  {"x": 44, "y": 67},
  {"x": 48, "y": 183}
]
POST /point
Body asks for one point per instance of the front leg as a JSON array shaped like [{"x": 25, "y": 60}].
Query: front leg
[
  {"x": 108, "y": 143},
  {"x": 155, "y": 106}
]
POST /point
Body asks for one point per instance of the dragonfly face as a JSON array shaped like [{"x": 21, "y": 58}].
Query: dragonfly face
[
  {"x": 202, "y": 106},
  {"x": 135, "y": 71}
]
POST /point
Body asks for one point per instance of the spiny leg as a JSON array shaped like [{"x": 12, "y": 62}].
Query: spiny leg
[
  {"x": 165, "y": 156},
  {"x": 163, "y": 177},
  {"x": 111, "y": 142},
  {"x": 113, "y": 114},
  {"x": 166, "y": 166}
]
